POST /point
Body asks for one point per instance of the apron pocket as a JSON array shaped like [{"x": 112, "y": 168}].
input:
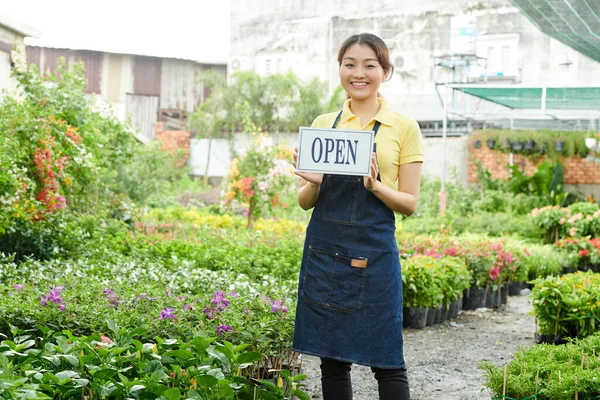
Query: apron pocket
[
  {"x": 331, "y": 281},
  {"x": 341, "y": 199}
]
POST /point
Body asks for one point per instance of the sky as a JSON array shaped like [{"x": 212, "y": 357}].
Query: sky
[{"x": 191, "y": 29}]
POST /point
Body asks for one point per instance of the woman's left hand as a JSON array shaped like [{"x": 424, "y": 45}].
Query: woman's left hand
[{"x": 371, "y": 180}]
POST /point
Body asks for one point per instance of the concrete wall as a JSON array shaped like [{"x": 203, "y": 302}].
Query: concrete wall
[
  {"x": 220, "y": 156},
  {"x": 304, "y": 37}
]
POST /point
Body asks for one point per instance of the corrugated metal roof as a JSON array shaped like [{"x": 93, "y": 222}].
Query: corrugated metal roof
[
  {"x": 18, "y": 27},
  {"x": 160, "y": 53}
]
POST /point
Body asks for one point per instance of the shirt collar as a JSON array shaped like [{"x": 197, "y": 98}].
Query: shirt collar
[{"x": 384, "y": 115}]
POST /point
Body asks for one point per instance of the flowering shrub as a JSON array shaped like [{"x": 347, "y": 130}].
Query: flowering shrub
[
  {"x": 580, "y": 252},
  {"x": 567, "y": 305},
  {"x": 490, "y": 262},
  {"x": 578, "y": 220},
  {"x": 259, "y": 176}
]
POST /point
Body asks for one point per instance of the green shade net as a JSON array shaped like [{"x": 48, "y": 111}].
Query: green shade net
[
  {"x": 576, "y": 23},
  {"x": 569, "y": 98}
]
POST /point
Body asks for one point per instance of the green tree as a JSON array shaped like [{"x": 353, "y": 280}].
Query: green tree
[{"x": 277, "y": 103}]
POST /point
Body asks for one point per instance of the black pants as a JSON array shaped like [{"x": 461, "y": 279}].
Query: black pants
[{"x": 335, "y": 377}]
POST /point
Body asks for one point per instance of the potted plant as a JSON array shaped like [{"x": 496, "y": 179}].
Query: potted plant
[
  {"x": 517, "y": 146},
  {"x": 529, "y": 146},
  {"x": 591, "y": 141},
  {"x": 477, "y": 143},
  {"x": 491, "y": 143},
  {"x": 559, "y": 146}
]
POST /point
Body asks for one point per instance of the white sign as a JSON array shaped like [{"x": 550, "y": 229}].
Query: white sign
[{"x": 335, "y": 151}]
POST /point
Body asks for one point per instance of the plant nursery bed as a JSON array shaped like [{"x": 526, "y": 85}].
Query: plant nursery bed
[{"x": 442, "y": 360}]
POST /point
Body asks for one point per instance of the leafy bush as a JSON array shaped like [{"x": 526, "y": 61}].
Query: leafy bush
[
  {"x": 567, "y": 305},
  {"x": 121, "y": 364}
]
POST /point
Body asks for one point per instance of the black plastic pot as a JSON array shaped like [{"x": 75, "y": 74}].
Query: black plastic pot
[
  {"x": 504, "y": 294},
  {"x": 431, "y": 312},
  {"x": 559, "y": 146},
  {"x": 474, "y": 298},
  {"x": 543, "y": 148},
  {"x": 492, "y": 298},
  {"x": 514, "y": 288},
  {"x": 517, "y": 146},
  {"x": 417, "y": 317},
  {"x": 529, "y": 146},
  {"x": 477, "y": 143},
  {"x": 441, "y": 314},
  {"x": 453, "y": 310},
  {"x": 491, "y": 143}
]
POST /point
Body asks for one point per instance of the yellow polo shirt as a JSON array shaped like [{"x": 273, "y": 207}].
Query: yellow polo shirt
[{"x": 398, "y": 139}]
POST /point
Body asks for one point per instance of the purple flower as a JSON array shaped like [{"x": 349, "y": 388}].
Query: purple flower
[
  {"x": 277, "y": 306},
  {"x": 246, "y": 310},
  {"x": 209, "y": 312},
  {"x": 168, "y": 313},
  {"x": 53, "y": 296},
  {"x": 112, "y": 297},
  {"x": 62, "y": 306},
  {"x": 144, "y": 296},
  {"x": 223, "y": 329},
  {"x": 234, "y": 295},
  {"x": 19, "y": 286},
  {"x": 220, "y": 301},
  {"x": 187, "y": 307}
]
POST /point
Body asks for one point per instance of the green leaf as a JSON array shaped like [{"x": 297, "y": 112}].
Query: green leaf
[
  {"x": 206, "y": 380},
  {"x": 249, "y": 357},
  {"x": 154, "y": 366},
  {"x": 105, "y": 374},
  {"x": 74, "y": 361},
  {"x": 299, "y": 377},
  {"x": 217, "y": 373},
  {"x": 183, "y": 354},
  {"x": 300, "y": 394},
  {"x": 62, "y": 375},
  {"x": 268, "y": 384},
  {"x": 172, "y": 394},
  {"x": 192, "y": 394},
  {"x": 114, "y": 327}
]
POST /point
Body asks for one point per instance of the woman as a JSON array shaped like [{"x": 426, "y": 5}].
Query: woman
[{"x": 350, "y": 290}]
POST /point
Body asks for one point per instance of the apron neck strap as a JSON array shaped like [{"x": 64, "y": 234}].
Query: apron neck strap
[{"x": 337, "y": 119}]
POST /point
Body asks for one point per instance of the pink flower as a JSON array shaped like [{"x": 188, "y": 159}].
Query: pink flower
[
  {"x": 573, "y": 231},
  {"x": 494, "y": 273}
]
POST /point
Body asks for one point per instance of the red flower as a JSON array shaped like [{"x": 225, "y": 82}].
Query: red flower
[{"x": 583, "y": 253}]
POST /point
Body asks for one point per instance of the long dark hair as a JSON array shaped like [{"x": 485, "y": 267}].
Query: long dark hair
[{"x": 375, "y": 43}]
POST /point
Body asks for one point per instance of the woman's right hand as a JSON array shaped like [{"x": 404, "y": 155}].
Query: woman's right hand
[{"x": 312, "y": 177}]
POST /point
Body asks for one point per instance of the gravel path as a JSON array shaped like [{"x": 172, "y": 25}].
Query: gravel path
[{"x": 442, "y": 360}]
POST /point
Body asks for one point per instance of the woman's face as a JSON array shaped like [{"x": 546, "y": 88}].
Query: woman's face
[{"x": 360, "y": 72}]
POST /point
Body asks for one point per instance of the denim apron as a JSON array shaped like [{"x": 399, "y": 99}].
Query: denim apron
[{"x": 350, "y": 288}]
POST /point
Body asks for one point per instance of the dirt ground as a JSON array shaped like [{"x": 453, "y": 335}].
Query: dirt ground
[{"x": 442, "y": 360}]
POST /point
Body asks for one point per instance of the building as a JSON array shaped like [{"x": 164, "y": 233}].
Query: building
[
  {"x": 12, "y": 35},
  {"x": 430, "y": 41},
  {"x": 146, "y": 88}
]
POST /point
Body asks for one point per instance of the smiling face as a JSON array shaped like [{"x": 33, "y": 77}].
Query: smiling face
[{"x": 361, "y": 73}]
